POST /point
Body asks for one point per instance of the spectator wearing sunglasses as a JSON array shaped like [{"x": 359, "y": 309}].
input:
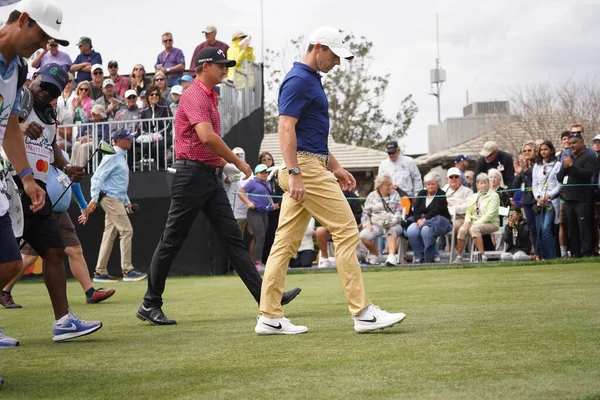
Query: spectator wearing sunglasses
[
  {"x": 523, "y": 180},
  {"x": 50, "y": 55},
  {"x": 64, "y": 114},
  {"x": 273, "y": 183},
  {"x": 97, "y": 81},
  {"x": 82, "y": 103},
  {"x": 121, "y": 82},
  {"x": 577, "y": 171},
  {"x": 160, "y": 80},
  {"x": 457, "y": 196},
  {"x": 85, "y": 60},
  {"x": 155, "y": 128},
  {"x": 138, "y": 80},
  {"x": 545, "y": 192},
  {"x": 170, "y": 61}
]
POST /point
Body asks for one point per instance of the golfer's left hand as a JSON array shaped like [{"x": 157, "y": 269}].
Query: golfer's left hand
[
  {"x": 75, "y": 173},
  {"x": 32, "y": 130},
  {"x": 345, "y": 179}
]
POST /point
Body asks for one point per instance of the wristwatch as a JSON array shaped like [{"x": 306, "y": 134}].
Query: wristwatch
[
  {"x": 295, "y": 170},
  {"x": 168, "y": 69},
  {"x": 65, "y": 168}
]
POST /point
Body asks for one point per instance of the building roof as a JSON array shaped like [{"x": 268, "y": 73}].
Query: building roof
[{"x": 350, "y": 157}]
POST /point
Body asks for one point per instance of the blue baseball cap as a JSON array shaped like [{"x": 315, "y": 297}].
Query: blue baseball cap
[
  {"x": 122, "y": 134},
  {"x": 461, "y": 157},
  {"x": 186, "y": 78},
  {"x": 260, "y": 168},
  {"x": 54, "y": 74}
]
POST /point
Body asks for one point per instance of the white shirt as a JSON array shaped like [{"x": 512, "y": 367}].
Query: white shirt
[
  {"x": 240, "y": 209},
  {"x": 64, "y": 110},
  {"x": 404, "y": 173},
  {"x": 40, "y": 153},
  {"x": 459, "y": 198}
]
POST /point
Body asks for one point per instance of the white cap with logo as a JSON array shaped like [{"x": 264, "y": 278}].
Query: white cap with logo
[
  {"x": 108, "y": 82},
  {"x": 47, "y": 15},
  {"x": 332, "y": 38}
]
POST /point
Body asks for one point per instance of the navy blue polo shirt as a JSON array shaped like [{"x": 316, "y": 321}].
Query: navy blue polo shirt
[{"x": 301, "y": 95}]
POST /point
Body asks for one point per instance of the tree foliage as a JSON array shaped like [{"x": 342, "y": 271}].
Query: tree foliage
[{"x": 355, "y": 96}]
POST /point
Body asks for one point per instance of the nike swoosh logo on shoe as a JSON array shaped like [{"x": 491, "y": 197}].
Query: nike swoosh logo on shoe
[
  {"x": 278, "y": 326},
  {"x": 69, "y": 328},
  {"x": 369, "y": 320}
]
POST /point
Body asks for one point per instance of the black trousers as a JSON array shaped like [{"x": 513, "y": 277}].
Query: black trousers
[
  {"x": 193, "y": 190},
  {"x": 581, "y": 235}
]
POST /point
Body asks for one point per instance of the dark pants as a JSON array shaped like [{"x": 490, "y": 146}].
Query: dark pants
[
  {"x": 581, "y": 237},
  {"x": 193, "y": 190},
  {"x": 259, "y": 222},
  {"x": 533, "y": 229}
]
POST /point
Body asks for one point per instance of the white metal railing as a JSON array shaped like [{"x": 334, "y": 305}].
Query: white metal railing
[{"x": 152, "y": 149}]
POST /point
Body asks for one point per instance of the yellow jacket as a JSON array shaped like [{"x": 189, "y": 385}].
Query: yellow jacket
[
  {"x": 490, "y": 203},
  {"x": 241, "y": 56}
]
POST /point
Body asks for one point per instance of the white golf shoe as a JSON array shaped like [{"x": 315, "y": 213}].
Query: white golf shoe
[
  {"x": 277, "y": 326},
  {"x": 373, "y": 318}
]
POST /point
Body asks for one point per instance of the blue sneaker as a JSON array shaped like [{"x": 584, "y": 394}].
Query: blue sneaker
[
  {"x": 70, "y": 327},
  {"x": 105, "y": 278},
  {"x": 6, "y": 341},
  {"x": 134, "y": 276}
]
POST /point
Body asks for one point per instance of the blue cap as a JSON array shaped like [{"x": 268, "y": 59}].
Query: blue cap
[
  {"x": 260, "y": 168},
  {"x": 186, "y": 78},
  {"x": 122, "y": 134},
  {"x": 462, "y": 157},
  {"x": 54, "y": 74}
]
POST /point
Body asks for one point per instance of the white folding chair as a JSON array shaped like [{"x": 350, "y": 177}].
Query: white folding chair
[{"x": 503, "y": 213}]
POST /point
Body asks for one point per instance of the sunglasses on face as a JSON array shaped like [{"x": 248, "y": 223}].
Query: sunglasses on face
[
  {"x": 158, "y": 79},
  {"x": 98, "y": 73},
  {"x": 454, "y": 177},
  {"x": 113, "y": 66},
  {"x": 527, "y": 151},
  {"x": 576, "y": 133},
  {"x": 138, "y": 69},
  {"x": 167, "y": 40},
  {"x": 84, "y": 89},
  {"x": 53, "y": 44},
  {"x": 131, "y": 97},
  {"x": 50, "y": 89},
  {"x": 70, "y": 80},
  {"x": 154, "y": 95}
]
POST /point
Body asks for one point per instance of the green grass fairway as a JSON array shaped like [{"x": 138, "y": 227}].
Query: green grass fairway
[{"x": 498, "y": 332}]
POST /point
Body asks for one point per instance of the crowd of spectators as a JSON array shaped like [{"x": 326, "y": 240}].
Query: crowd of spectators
[{"x": 91, "y": 83}]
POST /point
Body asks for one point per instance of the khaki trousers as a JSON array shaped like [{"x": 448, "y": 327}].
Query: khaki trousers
[
  {"x": 116, "y": 221},
  {"x": 326, "y": 202}
]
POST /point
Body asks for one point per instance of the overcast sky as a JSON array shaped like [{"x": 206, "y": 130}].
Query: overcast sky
[{"x": 486, "y": 46}]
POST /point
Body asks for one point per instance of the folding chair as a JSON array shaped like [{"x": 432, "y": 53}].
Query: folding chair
[{"x": 502, "y": 212}]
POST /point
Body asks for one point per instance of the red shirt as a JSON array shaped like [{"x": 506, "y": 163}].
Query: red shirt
[
  {"x": 197, "y": 104},
  {"x": 121, "y": 85},
  {"x": 218, "y": 44}
]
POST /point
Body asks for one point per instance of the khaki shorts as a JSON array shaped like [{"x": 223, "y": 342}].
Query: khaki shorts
[
  {"x": 476, "y": 230},
  {"x": 67, "y": 231}
]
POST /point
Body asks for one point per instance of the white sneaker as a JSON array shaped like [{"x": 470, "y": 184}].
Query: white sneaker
[
  {"x": 373, "y": 260},
  {"x": 324, "y": 263},
  {"x": 373, "y": 318},
  {"x": 437, "y": 260},
  {"x": 277, "y": 326},
  {"x": 332, "y": 262},
  {"x": 458, "y": 259},
  {"x": 390, "y": 261}
]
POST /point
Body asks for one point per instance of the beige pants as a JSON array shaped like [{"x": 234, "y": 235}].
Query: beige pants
[
  {"x": 476, "y": 230},
  {"x": 116, "y": 221},
  {"x": 324, "y": 201}
]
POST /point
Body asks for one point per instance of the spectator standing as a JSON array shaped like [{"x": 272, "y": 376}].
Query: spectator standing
[
  {"x": 431, "y": 219},
  {"x": 457, "y": 196},
  {"x": 160, "y": 80},
  {"x": 492, "y": 157},
  {"x": 200, "y": 151},
  {"x": 516, "y": 237},
  {"x": 545, "y": 192},
  {"x": 85, "y": 60},
  {"x": 109, "y": 187},
  {"x": 97, "y": 82},
  {"x": 121, "y": 82},
  {"x": 176, "y": 92},
  {"x": 138, "y": 80},
  {"x": 402, "y": 169},
  {"x": 276, "y": 191},
  {"x": 461, "y": 162},
  {"x": 240, "y": 51},
  {"x": 110, "y": 100},
  {"x": 259, "y": 204},
  {"x": 578, "y": 168},
  {"x": 596, "y": 148},
  {"x": 481, "y": 218},
  {"x": 233, "y": 182},
  {"x": 170, "y": 61},
  {"x": 210, "y": 34},
  {"x": 155, "y": 128},
  {"x": 523, "y": 179},
  {"x": 50, "y": 55}
]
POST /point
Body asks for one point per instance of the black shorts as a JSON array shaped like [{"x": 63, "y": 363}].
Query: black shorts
[
  {"x": 8, "y": 243},
  {"x": 41, "y": 230}
]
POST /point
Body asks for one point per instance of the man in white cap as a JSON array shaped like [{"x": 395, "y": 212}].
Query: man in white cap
[
  {"x": 492, "y": 157},
  {"x": 97, "y": 81},
  {"x": 311, "y": 190},
  {"x": 27, "y": 29},
  {"x": 110, "y": 100}
]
